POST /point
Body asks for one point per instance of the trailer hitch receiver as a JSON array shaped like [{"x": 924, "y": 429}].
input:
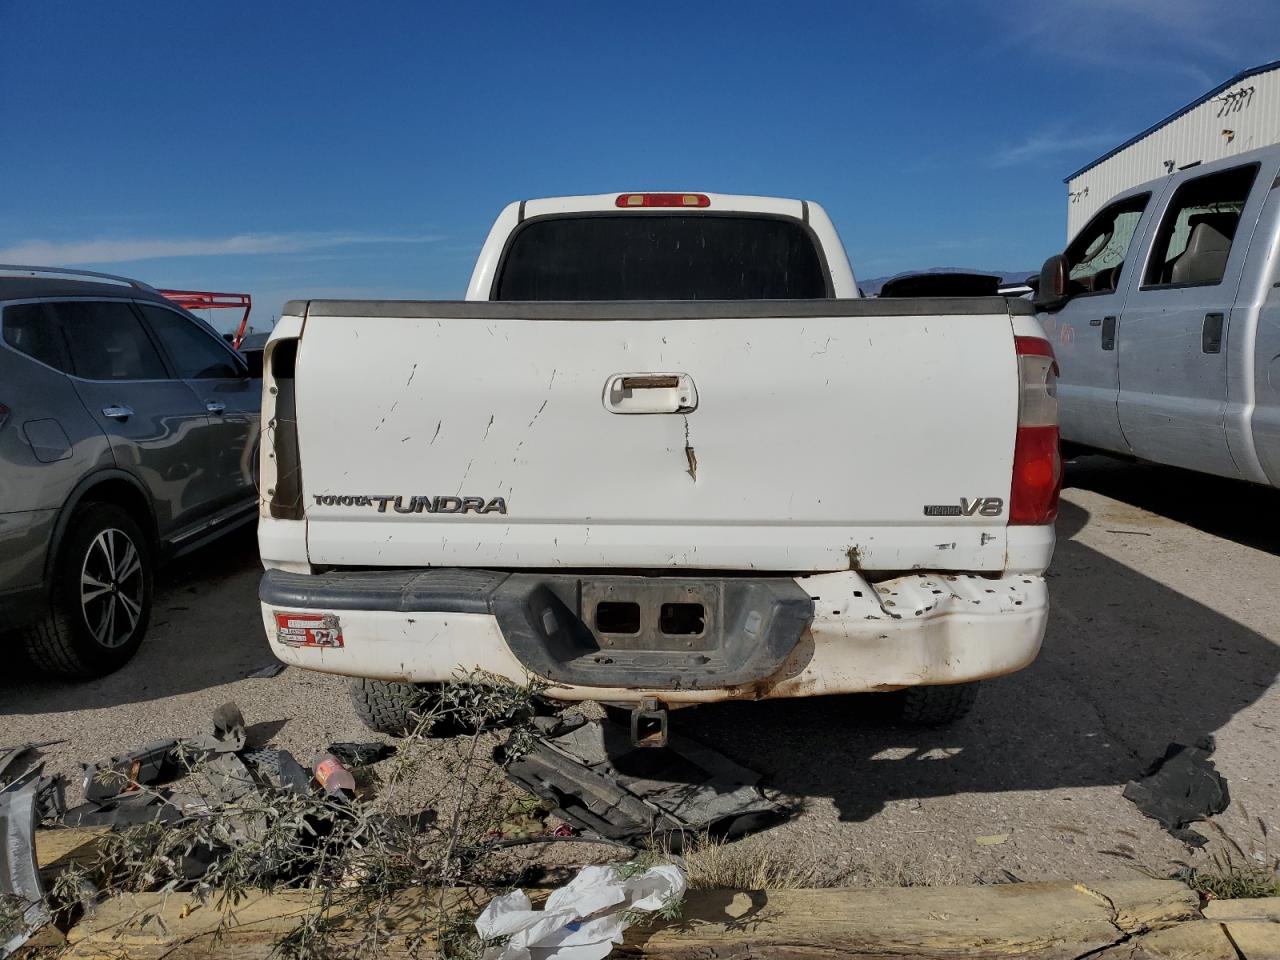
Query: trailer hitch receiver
[{"x": 649, "y": 723}]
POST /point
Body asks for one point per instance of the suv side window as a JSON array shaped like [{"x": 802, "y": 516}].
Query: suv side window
[
  {"x": 107, "y": 341},
  {"x": 29, "y": 329},
  {"x": 1096, "y": 256},
  {"x": 1194, "y": 239},
  {"x": 195, "y": 354}
]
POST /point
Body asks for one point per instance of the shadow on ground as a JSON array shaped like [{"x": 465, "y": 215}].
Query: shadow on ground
[
  {"x": 205, "y": 631},
  {"x": 1245, "y": 513},
  {"x": 1128, "y": 666}
]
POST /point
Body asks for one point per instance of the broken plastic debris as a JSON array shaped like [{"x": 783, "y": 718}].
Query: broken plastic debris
[
  {"x": 51, "y": 800},
  {"x": 125, "y": 772},
  {"x": 165, "y": 760},
  {"x": 991, "y": 840},
  {"x": 11, "y": 772},
  {"x": 592, "y": 777},
  {"x": 20, "y": 888},
  {"x": 1181, "y": 787},
  {"x": 361, "y": 754},
  {"x": 580, "y": 921},
  {"x": 279, "y": 769},
  {"x": 228, "y": 735}
]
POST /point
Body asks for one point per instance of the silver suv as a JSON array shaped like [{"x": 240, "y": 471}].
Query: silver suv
[{"x": 128, "y": 434}]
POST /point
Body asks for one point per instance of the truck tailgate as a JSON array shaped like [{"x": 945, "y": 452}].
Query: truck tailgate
[{"x": 825, "y": 434}]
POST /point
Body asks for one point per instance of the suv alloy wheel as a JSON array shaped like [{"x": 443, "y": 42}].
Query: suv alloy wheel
[{"x": 101, "y": 596}]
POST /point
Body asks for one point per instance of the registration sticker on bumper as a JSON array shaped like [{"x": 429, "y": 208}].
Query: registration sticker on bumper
[{"x": 308, "y": 629}]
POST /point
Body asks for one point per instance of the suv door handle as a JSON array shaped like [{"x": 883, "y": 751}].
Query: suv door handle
[
  {"x": 117, "y": 412},
  {"x": 1108, "y": 333},
  {"x": 1211, "y": 333},
  {"x": 215, "y": 406}
]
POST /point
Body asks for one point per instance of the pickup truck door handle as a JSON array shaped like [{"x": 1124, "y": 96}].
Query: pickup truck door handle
[
  {"x": 117, "y": 411},
  {"x": 1211, "y": 333},
  {"x": 215, "y": 406},
  {"x": 1108, "y": 333},
  {"x": 650, "y": 393}
]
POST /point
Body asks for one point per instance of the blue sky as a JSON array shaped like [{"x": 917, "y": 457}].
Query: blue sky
[{"x": 363, "y": 149}]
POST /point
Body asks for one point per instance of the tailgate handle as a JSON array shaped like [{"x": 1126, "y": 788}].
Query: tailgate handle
[
  {"x": 650, "y": 393},
  {"x": 650, "y": 382}
]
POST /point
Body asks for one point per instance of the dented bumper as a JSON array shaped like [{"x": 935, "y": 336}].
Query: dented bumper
[{"x": 760, "y": 637}]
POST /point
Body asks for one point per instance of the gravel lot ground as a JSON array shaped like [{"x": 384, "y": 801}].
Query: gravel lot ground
[{"x": 1165, "y": 628}]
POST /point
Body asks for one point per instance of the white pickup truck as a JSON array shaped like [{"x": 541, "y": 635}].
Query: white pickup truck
[{"x": 663, "y": 454}]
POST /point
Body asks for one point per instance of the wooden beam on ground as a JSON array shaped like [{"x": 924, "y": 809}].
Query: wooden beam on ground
[
  {"x": 59, "y": 848},
  {"x": 1041, "y": 920},
  {"x": 1261, "y": 908},
  {"x": 1045, "y": 921}
]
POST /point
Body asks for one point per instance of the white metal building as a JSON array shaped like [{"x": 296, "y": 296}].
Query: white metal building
[{"x": 1241, "y": 114}]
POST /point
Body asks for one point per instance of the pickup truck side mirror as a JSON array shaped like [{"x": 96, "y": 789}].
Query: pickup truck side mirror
[{"x": 1051, "y": 291}]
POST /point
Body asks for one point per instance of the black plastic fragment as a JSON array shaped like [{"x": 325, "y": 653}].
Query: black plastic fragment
[
  {"x": 597, "y": 780},
  {"x": 1180, "y": 788},
  {"x": 361, "y": 754}
]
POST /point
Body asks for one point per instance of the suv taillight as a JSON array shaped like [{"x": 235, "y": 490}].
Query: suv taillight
[
  {"x": 1037, "y": 467},
  {"x": 4, "y": 414}
]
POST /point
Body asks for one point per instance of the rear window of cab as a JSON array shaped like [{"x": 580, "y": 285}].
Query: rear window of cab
[{"x": 638, "y": 256}]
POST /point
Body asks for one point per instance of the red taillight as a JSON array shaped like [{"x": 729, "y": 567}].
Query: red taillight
[
  {"x": 663, "y": 200},
  {"x": 1037, "y": 467},
  {"x": 4, "y": 414}
]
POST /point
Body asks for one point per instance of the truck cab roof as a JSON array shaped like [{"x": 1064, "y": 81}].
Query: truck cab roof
[{"x": 518, "y": 216}]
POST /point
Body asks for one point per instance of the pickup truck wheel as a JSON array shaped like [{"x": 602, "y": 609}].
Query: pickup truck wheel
[
  {"x": 101, "y": 596},
  {"x": 934, "y": 706},
  {"x": 397, "y": 709}
]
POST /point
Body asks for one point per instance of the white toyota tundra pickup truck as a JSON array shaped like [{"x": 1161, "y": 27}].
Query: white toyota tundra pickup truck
[{"x": 663, "y": 454}]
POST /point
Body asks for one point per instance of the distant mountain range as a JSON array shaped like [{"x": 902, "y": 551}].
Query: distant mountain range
[{"x": 871, "y": 287}]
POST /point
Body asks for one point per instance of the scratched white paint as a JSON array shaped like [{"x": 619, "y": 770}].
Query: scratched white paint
[
  {"x": 967, "y": 634},
  {"x": 811, "y": 435}
]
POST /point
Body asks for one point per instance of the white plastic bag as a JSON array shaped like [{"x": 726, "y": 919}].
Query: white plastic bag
[{"x": 582, "y": 920}]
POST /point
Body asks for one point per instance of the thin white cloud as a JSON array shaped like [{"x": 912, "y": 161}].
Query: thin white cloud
[
  {"x": 1152, "y": 38},
  {"x": 1045, "y": 144},
  {"x": 123, "y": 250}
]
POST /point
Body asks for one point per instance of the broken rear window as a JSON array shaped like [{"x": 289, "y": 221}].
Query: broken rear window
[{"x": 662, "y": 257}]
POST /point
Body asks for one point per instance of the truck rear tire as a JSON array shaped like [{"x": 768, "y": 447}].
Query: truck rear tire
[
  {"x": 100, "y": 600},
  {"x": 398, "y": 709},
  {"x": 934, "y": 706},
  {"x": 386, "y": 707}
]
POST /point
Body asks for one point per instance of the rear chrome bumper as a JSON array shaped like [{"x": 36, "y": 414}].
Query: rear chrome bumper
[{"x": 821, "y": 634}]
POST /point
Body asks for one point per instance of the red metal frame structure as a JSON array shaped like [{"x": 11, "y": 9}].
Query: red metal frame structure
[{"x": 207, "y": 300}]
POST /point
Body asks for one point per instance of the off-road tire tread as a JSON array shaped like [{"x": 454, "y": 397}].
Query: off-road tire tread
[
  {"x": 384, "y": 706},
  {"x": 936, "y": 706}
]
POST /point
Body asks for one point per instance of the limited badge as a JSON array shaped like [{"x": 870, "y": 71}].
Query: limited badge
[{"x": 308, "y": 629}]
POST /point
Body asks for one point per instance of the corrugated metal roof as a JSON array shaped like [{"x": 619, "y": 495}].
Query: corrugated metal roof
[{"x": 1244, "y": 75}]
